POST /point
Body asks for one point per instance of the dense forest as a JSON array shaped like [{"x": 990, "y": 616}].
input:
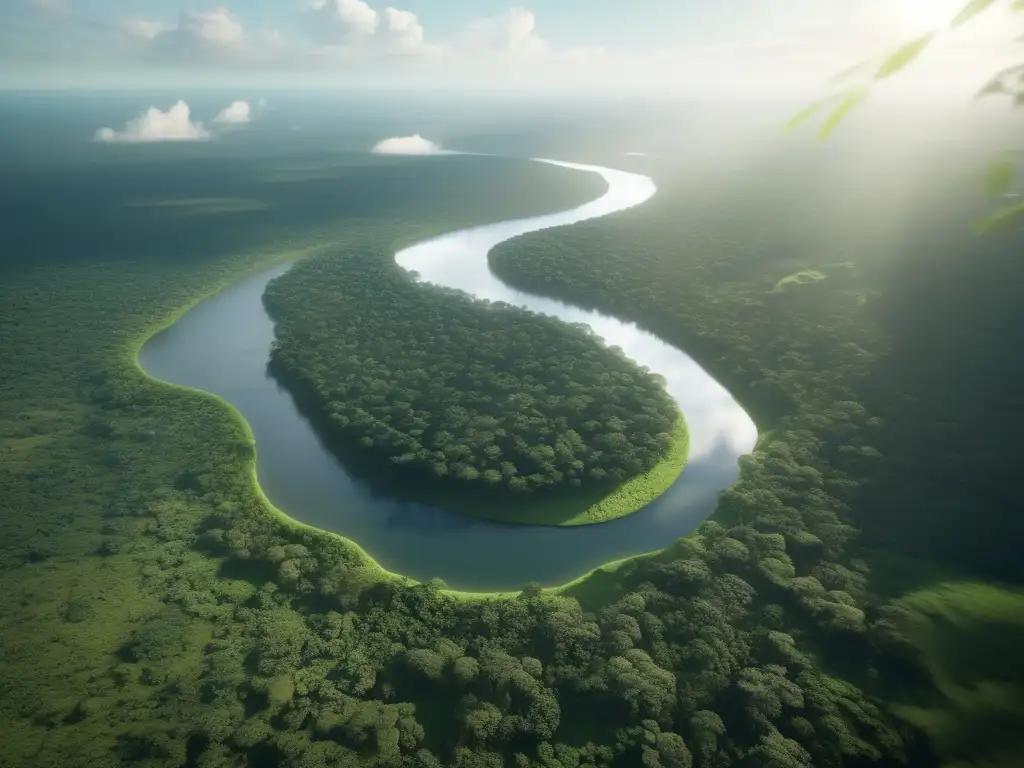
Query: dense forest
[
  {"x": 157, "y": 612},
  {"x": 884, "y": 410},
  {"x": 451, "y": 390}
]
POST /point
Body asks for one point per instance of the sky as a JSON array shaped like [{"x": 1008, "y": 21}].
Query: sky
[{"x": 753, "y": 46}]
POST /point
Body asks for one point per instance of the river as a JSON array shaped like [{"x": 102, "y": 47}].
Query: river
[{"x": 223, "y": 344}]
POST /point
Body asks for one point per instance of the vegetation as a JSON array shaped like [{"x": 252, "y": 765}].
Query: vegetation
[
  {"x": 428, "y": 388},
  {"x": 968, "y": 635},
  {"x": 851, "y": 88},
  {"x": 157, "y": 612},
  {"x": 847, "y": 462}
]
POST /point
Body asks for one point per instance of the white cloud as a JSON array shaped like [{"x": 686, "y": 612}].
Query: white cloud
[
  {"x": 203, "y": 34},
  {"x": 781, "y": 45},
  {"x": 340, "y": 22},
  {"x": 154, "y": 125},
  {"x": 403, "y": 30},
  {"x": 352, "y": 28},
  {"x": 408, "y": 145},
  {"x": 142, "y": 29},
  {"x": 211, "y": 37},
  {"x": 514, "y": 30},
  {"x": 236, "y": 113},
  {"x": 216, "y": 27}
]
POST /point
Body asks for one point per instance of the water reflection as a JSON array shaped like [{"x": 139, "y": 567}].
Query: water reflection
[{"x": 222, "y": 346}]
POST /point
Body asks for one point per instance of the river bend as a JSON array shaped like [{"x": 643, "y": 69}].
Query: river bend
[{"x": 223, "y": 344}]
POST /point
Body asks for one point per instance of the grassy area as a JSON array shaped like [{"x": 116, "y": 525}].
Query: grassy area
[{"x": 586, "y": 507}]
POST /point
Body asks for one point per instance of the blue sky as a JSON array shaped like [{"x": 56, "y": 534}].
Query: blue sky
[
  {"x": 608, "y": 44},
  {"x": 570, "y": 22}
]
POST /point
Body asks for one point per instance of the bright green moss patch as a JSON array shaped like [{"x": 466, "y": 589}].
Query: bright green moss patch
[
  {"x": 803, "y": 277},
  {"x": 638, "y": 492},
  {"x": 587, "y": 507}
]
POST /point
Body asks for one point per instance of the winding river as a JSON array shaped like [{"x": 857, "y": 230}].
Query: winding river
[{"x": 222, "y": 346}]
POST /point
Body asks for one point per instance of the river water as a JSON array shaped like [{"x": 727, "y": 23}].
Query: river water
[{"x": 223, "y": 345}]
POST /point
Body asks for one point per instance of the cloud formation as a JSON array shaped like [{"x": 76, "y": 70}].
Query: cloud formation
[
  {"x": 142, "y": 29},
  {"x": 236, "y": 113},
  {"x": 345, "y": 42},
  {"x": 217, "y": 27},
  {"x": 353, "y": 24},
  {"x": 340, "y": 22},
  {"x": 512, "y": 31},
  {"x": 403, "y": 30},
  {"x": 204, "y": 34},
  {"x": 154, "y": 125},
  {"x": 407, "y": 145}
]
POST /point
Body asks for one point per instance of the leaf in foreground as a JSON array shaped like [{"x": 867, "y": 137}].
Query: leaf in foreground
[
  {"x": 999, "y": 178},
  {"x": 850, "y": 102},
  {"x": 999, "y": 220},
  {"x": 1002, "y": 82},
  {"x": 865, "y": 67},
  {"x": 972, "y": 9},
  {"x": 903, "y": 56},
  {"x": 804, "y": 115}
]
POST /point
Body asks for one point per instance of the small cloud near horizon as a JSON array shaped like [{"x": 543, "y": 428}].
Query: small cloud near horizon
[
  {"x": 408, "y": 145},
  {"x": 637, "y": 154},
  {"x": 236, "y": 113},
  {"x": 154, "y": 125}
]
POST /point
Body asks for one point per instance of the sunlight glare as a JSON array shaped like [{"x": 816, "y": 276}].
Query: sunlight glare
[{"x": 923, "y": 15}]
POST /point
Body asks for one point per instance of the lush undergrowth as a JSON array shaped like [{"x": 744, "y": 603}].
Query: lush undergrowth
[
  {"x": 156, "y": 612},
  {"x": 480, "y": 406}
]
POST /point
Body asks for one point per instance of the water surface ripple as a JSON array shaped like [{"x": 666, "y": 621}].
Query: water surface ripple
[{"x": 222, "y": 346}]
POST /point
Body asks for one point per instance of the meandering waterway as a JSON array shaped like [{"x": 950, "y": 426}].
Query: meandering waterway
[{"x": 223, "y": 344}]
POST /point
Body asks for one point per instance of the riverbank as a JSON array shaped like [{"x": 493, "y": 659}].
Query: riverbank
[{"x": 222, "y": 346}]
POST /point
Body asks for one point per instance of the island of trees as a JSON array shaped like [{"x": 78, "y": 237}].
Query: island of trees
[{"x": 437, "y": 389}]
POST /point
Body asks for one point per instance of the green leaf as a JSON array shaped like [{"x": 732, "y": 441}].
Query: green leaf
[
  {"x": 992, "y": 87},
  {"x": 850, "y": 102},
  {"x": 866, "y": 66},
  {"x": 972, "y": 9},
  {"x": 999, "y": 83},
  {"x": 999, "y": 178},
  {"x": 1018, "y": 5},
  {"x": 803, "y": 116},
  {"x": 1001, "y": 219},
  {"x": 903, "y": 56}
]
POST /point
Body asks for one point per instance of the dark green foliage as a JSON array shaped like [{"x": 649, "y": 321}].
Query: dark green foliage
[{"x": 457, "y": 391}]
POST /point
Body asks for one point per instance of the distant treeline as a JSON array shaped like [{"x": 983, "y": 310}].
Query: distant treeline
[{"x": 450, "y": 389}]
